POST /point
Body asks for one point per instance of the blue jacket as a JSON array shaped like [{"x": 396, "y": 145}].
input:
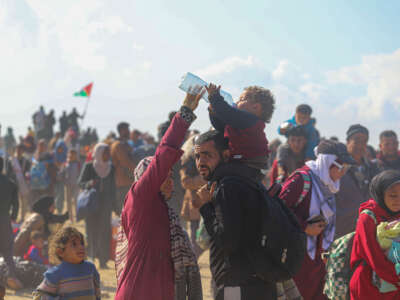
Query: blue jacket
[{"x": 312, "y": 136}]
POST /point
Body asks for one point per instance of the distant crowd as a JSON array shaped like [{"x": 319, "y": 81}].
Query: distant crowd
[{"x": 307, "y": 218}]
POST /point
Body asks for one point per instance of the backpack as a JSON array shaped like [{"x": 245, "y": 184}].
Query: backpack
[
  {"x": 40, "y": 179},
  {"x": 338, "y": 270},
  {"x": 281, "y": 246}
]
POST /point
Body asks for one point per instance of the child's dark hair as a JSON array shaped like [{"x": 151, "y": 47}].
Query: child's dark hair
[
  {"x": 60, "y": 240},
  {"x": 304, "y": 109},
  {"x": 35, "y": 235},
  {"x": 265, "y": 98}
]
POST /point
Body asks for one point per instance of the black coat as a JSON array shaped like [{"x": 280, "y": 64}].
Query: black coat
[{"x": 232, "y": 219}]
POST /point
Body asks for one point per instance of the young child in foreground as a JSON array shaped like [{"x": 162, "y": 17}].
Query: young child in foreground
[
  {"x": 244, "y": 125},
  {"x": 35, "y": 252},
  {"x": 74, "y": 278},
  {"x": 302, "y": 117}
]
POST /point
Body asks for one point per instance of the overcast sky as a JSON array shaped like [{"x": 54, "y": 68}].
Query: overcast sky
[{"x": 342, "y": 57}]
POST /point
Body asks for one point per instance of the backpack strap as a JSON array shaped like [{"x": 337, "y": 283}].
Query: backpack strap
[
  {"x": 306, "y": 186},
  {"x": 371, "y": 214}
]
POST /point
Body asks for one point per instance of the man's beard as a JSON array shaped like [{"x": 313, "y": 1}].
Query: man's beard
[{"x": 208, "y": 177}]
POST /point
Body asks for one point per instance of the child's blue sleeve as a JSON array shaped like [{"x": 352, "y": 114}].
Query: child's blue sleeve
[
  {"x": 291, "y": 121},
  {"x": 34, "y": 256},
  {"x": 232, "y": 116}
]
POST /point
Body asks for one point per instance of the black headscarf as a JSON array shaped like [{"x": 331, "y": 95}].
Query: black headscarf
[
  {"x": 380, "y": 183},
  {"x": 42, "y": 205}
]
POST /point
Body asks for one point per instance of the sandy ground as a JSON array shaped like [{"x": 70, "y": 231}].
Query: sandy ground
[{"x": 108, "y": 280}]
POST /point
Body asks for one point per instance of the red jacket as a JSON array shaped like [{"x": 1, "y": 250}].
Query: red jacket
[
  {"x": 315, "y": 269},
  {"x": 367, "y": 250},
  {"x": 149, "y": 272},
  {"x": 250, "y": 142}
]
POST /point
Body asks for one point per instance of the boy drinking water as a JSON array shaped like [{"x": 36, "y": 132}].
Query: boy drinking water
[
  {"x": 244, "y": 125},
  {"x": 74, "y": 278}
]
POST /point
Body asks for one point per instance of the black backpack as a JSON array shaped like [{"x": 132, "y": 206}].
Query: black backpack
[{"x": 282, "y": 244}]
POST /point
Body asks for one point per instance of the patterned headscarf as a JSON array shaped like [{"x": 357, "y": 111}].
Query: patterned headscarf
[{"x": 187, "y": 272}]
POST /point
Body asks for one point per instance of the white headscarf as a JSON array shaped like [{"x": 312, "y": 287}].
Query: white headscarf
[
  {"x": 101, "y": 167},
  {"x": 321, "y": 167}
]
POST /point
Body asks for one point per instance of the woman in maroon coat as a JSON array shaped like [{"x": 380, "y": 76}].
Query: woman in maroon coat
[
  {"x": 316, "y": 210},
  {"x": 367, "y": 256},
  {"x": 153, "y": 252}
]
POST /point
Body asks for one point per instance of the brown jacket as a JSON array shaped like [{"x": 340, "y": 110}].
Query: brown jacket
[
  {"x": 191, "y": 201},
  {"x": 123, "y": 162}
]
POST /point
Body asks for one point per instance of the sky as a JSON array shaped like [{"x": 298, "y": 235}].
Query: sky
[{"x": 341, "y": 57}]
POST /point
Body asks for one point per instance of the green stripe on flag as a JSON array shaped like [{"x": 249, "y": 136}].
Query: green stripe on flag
[{"x": 81, "y": 94}]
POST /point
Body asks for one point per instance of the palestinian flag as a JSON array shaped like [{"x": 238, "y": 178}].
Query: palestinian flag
[{"x": 85, "y": 92}]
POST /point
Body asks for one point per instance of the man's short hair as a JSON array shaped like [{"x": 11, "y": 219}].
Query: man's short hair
[
  {"x": 1, "y": 164},
  {"x": 387, "y": 134},
  {"x": 304, "y": 109},
  {"x": 220, "y": 142},
  {"x": 121, "y": 126},
  {"x": 265, "y": 98},
  {"x": 354, "y": 129},
  {"x": 297, "y": 131}
]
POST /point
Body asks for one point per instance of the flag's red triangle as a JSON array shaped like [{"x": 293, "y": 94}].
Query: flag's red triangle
[{"x": 88, "y": 89}]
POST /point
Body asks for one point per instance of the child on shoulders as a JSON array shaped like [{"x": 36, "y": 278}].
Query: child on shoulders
[
  {"x": 244, "y": 124},
  {"x": 302, "y": 117}
]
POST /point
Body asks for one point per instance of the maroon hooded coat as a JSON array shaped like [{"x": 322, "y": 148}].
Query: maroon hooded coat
[
  {"x": 367, "y": 250},
  {"x": 149, "y": 270}
]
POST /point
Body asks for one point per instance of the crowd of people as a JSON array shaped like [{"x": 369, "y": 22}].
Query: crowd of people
[{"x": 222, "y": 186}]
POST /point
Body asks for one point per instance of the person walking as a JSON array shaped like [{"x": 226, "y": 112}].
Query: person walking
[
  {"x": 191, "y": 181},
  {"x": 232, "y": 217},
  {"x": 316, "y": 210},
  {"x": 17, "y": 168},
  {"x": 122, "y": 158},
  {"x": 8, "y": 213},
  {"x": 369, "y": 261},
  {"x": 154, "y": 256},
  {"x": 99, "y": 175},
  {"x": 354, "y": 188}
]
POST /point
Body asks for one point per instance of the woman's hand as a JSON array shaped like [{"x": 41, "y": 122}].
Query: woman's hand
[
  {"x": 193, "y": 97},
  {"x": 315, "y": 228}
]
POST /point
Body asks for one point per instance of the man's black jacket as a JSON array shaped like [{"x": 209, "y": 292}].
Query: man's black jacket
[{"x": 232, "y": 219}]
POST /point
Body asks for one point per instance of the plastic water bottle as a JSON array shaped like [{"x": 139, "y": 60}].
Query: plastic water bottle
[{"x": 190, "y": 80}]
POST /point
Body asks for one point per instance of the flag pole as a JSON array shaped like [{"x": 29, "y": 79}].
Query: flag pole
[{"x": 85, "y": 111}]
